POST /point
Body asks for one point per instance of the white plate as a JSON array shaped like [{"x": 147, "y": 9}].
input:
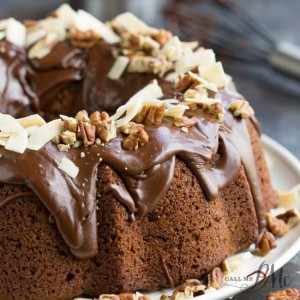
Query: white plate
[{"x": 285, "y": 173}]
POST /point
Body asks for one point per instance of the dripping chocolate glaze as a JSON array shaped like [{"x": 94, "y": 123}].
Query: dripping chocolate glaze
[{"x": 72, "y": 201}]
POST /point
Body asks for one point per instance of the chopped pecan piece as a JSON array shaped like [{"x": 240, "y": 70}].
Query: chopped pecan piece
[
  {"x": 277, "y": 226},
  {"x": 162, "y": 36},
  {"x": 182, "y": 292},
  {"x": 127, "y": 296},
  {"x": 151, "y": 114},
  {"x": 287, "y": 215},
  {"x": 184, "y": 83},
  {"x": 71, "y": 124},
  {"x": 105, "y": 128},
  {"x": 164, "y": 297},
  {"x": 83, "y": 39},
  {"x": 242, "y": 108},
  {"x": 215, "y": 278},
  {"x": 195, "y": 285},
  {"x": 88, "y": 132},
  {"x": 136, "y": 136},
  {"x": 225, "y": 267},
  {"x": 63, "y": 147},
  {"x": 68, "y": 137},
  {"x": 185, "y": 121},
  {"x": 288, "y": 294},
  {"x": 266, "y": 242}
]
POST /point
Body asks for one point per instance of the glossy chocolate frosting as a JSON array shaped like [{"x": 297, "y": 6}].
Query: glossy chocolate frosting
[{"x": 213, "y": 150}]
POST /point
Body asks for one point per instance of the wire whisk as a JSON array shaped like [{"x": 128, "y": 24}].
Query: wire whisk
[{"x": 232, "y": 32}]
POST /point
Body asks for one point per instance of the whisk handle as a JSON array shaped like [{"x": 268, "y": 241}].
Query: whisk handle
[{"x": 286, "y": 58}]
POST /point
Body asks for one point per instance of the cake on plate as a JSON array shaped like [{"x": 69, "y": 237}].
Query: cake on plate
[{"x": 128, "y": 159}]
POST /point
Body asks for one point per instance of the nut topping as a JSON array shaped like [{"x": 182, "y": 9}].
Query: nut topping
[
  {"x": 225, "y": 267},
  {"x": 185, "y": 121},
  {"x": 288, "y": 294},
  {"x": 151, "y": 114},
  {"x": 83, "y": 39},
  {"x": 70, "y": 124},
  {"x": 215, "y": 278},
  {"x": 266, "y": 242},
  {"x": 105, "y": 128},
  {"x": 82, "y": 115},
  {"x": 88, "y": 132},
  {"x": 277, "y": 226},
  {"x": 162, "y": 36},
  {"x": 288, "y": 216},
  {"x": 136, "y": 136},
  {"x": 242, "y": 108},
  {"x": 68, "y": 137}
]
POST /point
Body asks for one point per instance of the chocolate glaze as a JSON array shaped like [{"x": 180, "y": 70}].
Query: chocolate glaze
[
  {"x": 213, "y": 150},
  {"x": 17, "y": 97}
]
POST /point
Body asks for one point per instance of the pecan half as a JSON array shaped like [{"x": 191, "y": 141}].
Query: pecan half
[
  {"x": 105, "y": 128},
  {"x": 215, "y": 278},
  {"x": 185, "y": 121},
  {"x": 266, "y": 242},
  {"x": 288, "y": 294},
  {"x": 136, "y": 136},
  {"x": 83, "y": 39},
  {"x": 88, "y": 132},
  {"x": 277, "y": 226},
  {"x": 151, "y": 114}
]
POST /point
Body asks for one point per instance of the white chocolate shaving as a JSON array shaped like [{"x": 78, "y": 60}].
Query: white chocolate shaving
[
  {"x": 43, "y": 47},
  {"x": 66, "y": 13},
  {"x": 33, "y": 120},
  {"x": 176, "y": 110},
  {"x": 172, "y": 49},
  {"x": 214, "y": 73},
  {"x": 2, "y": 35},
  {"x": 9, "y": 124},
  {"x": 16, "y": 33},
  {"x": 131, "y": 23},
  {"x": 68, "y": 167},
  {"x": 134, "y": 104},
  {"x": 3, "y": 24},
  {"x": 17, "y": 141},
  {"x": 208, "y": 85},
  {"x": 191, "y": 45},
  {"x": 191, "y": 60},
  {"x": 34, "y": 36},
  {"x": 118, "y": 67},
  {"x": 44, "y": 134},
  {"x": 100, "y": 28}
]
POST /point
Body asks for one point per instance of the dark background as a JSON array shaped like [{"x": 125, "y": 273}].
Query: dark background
[{"x": 274, "y": 96}]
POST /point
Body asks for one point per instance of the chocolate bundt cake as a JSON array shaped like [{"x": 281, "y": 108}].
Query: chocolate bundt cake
[{"x": 158, "y": 178}]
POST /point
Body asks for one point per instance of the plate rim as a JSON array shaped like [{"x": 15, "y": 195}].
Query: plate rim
[{"x": 283, "y": 259}]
